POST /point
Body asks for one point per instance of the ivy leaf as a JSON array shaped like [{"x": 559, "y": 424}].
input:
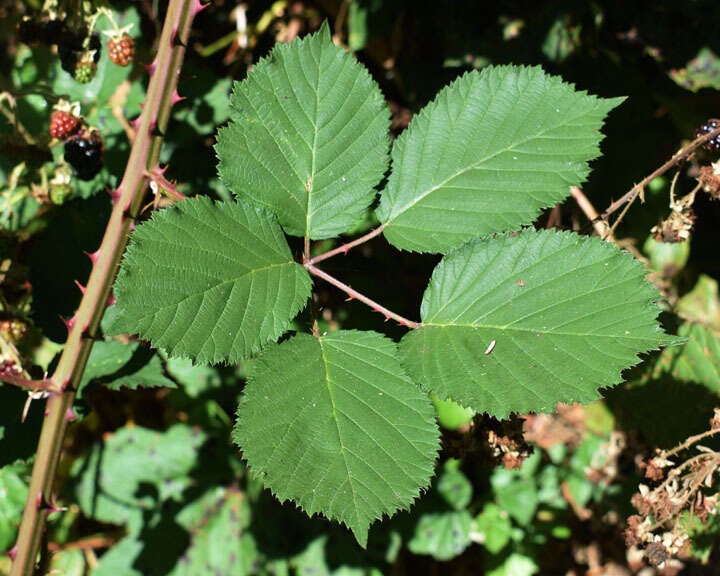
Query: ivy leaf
[
  {"x": 134, "y": 471},
  {"x": 487, "y": 155},
  {"x": 221, "y": 544},
  {"x": 442, "y": 535},
  {"x": 519, "y": 323},
  {"x": 211, "y": 281},
  {"x": 334, "y": 553},
  {"x": 309, "y": 137},
  {"x": 515, "y": 564},
  {"x": 444, "y": 524},
  {"x": 334, "y": 424},
  {"x": 494, "y": 524},
  {"x": 453, "y": 486},
  {"x": 515, "y": 494}
]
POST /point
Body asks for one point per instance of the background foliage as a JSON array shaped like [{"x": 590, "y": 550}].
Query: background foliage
[{"x": 150, "y": 465}]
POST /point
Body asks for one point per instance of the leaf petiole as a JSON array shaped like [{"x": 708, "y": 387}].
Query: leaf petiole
[{"x": 354, "y": 294}]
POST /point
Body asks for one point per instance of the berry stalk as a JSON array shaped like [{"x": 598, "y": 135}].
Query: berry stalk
[{"x": 83, "y": 327}]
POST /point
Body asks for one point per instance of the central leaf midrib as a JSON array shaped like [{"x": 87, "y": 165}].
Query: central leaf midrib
[
  {"x": 532, "y": 330},
  {"x": 316, "y": 131},
  {"x": 337, "y": 428}
]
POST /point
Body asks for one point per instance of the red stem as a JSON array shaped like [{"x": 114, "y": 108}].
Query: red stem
[
  {"x": 346, "y": 247},
  {"x": 162, "y": 182},
  {"x": 47, "y": 384},
  {"x": 684, "y": 153},
  {"x": 84, "y": 326},
  {"x": 357, "y": 296}
]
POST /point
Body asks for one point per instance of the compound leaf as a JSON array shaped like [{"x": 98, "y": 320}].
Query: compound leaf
[
  {"x": 309, "y": 137},
  {"x": 519, "y": 323},
  {"x": 211, "y": 281},
  {"x": 487, "y": 155},
  {"x": 334, "y": 424}
]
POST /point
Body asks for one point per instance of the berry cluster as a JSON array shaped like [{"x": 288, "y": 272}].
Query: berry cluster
[
  {"x": 84, "y": 152},
  {"x": 121, "y": 49},
  {"x": 79, "y": 61},
  {"x": 712, "y": 124},
  {"x": 63, "y": 124},
  {"x": 79, "y": 51}
]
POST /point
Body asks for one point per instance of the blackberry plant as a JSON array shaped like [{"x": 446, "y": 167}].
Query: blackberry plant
[{"x": 513, "y": 319}]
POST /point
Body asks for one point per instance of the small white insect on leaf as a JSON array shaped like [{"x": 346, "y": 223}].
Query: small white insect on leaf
[{"x": 490, "y": 348}]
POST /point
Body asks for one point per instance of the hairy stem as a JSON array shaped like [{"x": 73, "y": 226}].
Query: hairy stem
[
  {"x": 630, "y": 196},
  {"x": 346, "y": 247},
  {"x": 84, "y": 326},
  {"x": 354, "y": 294}
]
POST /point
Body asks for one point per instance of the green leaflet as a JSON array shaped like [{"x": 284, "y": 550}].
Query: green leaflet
[
  {"x": 487, "y": 155},
  {"x": 519, "y": 323},
  {"x": 211, "y": 281},
  {"x": 116, "y": 365},
  {"x": 334, "y": 424},
  {"x": 698, "y": 360},
  {"x": 309, "y": 137}
]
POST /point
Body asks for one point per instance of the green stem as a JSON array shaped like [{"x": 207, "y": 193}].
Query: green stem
[{"x": 84, "y": 326}]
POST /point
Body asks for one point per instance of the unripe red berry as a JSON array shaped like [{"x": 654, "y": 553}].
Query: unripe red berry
[
  {"x": 121, "y": 50},
  {"x": 63, "y": 124}
]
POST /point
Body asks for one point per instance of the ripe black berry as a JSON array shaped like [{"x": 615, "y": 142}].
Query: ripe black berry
[
  {"x": 55, "y": 30},
  {"x": 41, "y": 30},
  {"x": 30, "y": 31},
  {"x": 84, "y": 152},
  {"x": 709, "y": 126},
  {"x": 73, "y": 54},
  {"x": 68, "y": 58}
]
